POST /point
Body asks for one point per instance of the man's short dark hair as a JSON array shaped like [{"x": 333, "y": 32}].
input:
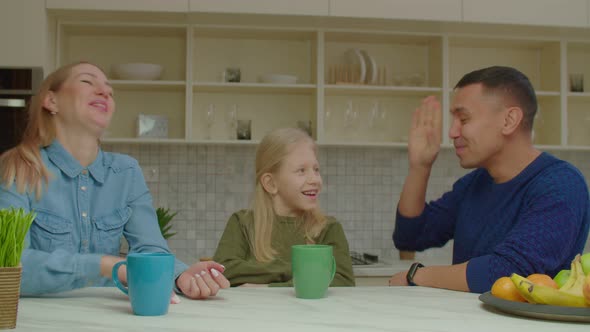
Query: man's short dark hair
[{"x": 509, "y": 82}]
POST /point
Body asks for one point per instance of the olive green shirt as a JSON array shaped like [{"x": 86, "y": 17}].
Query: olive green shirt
[{"x": 242, "y": 267}]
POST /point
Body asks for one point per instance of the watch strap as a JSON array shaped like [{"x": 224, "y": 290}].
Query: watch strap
[{"x": 411, "y": 272}]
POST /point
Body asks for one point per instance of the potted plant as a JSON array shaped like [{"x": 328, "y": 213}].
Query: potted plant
[
  {"x": 14, "y": 225},
  {"x": 164, "y": 219}
]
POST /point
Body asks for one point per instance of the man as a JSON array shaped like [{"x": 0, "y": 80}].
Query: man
[{"x": 520, "y": 210}]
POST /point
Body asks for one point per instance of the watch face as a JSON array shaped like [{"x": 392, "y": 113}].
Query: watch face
[{"x": 412, "y": 272}]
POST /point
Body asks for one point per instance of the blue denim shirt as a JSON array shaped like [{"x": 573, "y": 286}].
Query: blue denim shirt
[{"x": 81, "y": 216}]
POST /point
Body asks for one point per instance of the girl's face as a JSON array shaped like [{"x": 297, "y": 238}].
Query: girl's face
[
  {"x": 297, "y": 182},
  {"x": 84, "y": 102}
]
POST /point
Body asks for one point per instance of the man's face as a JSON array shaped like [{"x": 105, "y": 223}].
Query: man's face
[{"x": 477, "y": 120}]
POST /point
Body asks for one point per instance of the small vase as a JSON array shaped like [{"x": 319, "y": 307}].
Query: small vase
[{"x": 9, "y": 295}]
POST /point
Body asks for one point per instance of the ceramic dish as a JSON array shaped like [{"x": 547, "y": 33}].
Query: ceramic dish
[
  {"x": 355, "y": 58},
  {"x": 278, "y": 79},
  {"x": 550, "y": 312},
  {"x": 371, "y": 68},
  {"x": 137, "y": 71}
]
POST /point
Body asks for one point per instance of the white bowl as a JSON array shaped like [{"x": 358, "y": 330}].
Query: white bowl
[
  {"x": 278, "y": 79},
  {"x": 137, "y": 71}
]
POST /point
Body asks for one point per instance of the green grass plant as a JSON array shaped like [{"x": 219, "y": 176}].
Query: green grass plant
[
  {"x": 164, "y": 219},
  {"x": 14, "y": 225}
]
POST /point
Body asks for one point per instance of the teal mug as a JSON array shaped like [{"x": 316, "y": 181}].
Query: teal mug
[
  {"x": 313, "y": 267},
  {"x": 150, "y": 277}
]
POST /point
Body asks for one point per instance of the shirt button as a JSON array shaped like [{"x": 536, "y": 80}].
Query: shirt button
[
  {"x": 83, "y": 188},
  {"x": 84, "y": 214}
]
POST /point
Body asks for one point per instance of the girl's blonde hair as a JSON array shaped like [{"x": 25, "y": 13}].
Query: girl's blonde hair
[
  {"x": 23, "y": 164},
  {"x": 271, "y": 151}
]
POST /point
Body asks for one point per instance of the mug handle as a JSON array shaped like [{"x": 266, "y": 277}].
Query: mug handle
[
  {"x": 115, "y": 275},
  {"x": 333, "y": 268}
]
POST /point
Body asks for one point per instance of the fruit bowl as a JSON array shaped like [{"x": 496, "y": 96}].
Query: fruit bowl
[{"x": 137, "y": 71}]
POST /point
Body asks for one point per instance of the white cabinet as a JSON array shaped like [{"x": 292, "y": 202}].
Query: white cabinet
[
  {"x": 355, "y": 87},
  {"x": 118, "y": 5},
  {"x": 573, "y": 13},
  {"x": 23, "y": 33},
  {"x": 280, "y": 7},
  {"x": 437, "y": 10}
]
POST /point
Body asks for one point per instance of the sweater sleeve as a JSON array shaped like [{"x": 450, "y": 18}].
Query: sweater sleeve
[
  {"x": 436, "y": 225},
  {"x": 337, "y": 239},
  {"x": 233, "y": 252},
  {"x": 543, "y": 239}
]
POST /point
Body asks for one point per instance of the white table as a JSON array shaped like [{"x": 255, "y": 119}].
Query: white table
[{"x": 277, "y": 310}]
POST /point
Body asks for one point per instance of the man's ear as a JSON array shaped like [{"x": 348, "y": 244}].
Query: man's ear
[
  {"x": 50, "y": 102},
  {"x": 268, "y": 183},
  {"x": 512, "y": 120}
]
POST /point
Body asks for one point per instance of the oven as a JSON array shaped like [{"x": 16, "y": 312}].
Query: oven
[{"x": 17, "y": 86}]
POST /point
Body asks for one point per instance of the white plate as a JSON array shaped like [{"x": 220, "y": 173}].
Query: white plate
[
  {"x": 372, "y": 70},
  {"x": 355, "y": 57}
]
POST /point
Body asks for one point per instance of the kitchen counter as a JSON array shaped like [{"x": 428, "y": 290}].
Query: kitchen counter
[
  {"x": 277, "y": 309},
  {"x": 387, "y": 269}
]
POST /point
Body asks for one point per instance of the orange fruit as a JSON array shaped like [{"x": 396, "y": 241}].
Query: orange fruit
[
  {"x": 504, "y": 288},
  {"x": 542, "y": 279}
]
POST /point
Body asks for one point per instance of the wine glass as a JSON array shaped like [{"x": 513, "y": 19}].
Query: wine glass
[
  {"x": 210, "y": 119},
  {"x": 231, "y": 119}
]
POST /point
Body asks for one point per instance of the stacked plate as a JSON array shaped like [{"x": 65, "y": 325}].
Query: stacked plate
[{"x": 367, "y": 70}]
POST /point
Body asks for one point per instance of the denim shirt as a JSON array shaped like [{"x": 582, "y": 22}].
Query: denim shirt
[{"x": 81, "y": 216}]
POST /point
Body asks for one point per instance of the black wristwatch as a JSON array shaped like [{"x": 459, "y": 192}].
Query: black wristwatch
[{"x": 412, "y": 272}]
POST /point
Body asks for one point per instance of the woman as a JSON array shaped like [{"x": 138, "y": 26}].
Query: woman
[{"x": 85, "y": 199}]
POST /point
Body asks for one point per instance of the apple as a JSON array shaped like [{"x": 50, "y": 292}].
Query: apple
[
  {"x": 586, "y": 263},
  {"x": 562, "y": 277}
]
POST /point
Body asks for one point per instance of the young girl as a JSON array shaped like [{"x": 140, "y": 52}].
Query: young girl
[{"x": 255, "y": 247}]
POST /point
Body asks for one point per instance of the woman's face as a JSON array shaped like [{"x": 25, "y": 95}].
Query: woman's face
[{"x": 84, "y": 103}]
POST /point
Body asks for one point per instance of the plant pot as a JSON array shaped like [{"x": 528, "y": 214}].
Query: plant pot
[{"x": 9, "y": 295}]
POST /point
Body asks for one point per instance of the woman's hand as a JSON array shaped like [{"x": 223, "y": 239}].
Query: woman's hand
[{"x": 202, "y": 280}]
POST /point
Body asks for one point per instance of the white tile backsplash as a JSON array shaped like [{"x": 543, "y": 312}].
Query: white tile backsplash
[{"x": 207, "y": 183}]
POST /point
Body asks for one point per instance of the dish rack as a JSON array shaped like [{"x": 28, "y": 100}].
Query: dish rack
[{"x": 363, "y": 259}]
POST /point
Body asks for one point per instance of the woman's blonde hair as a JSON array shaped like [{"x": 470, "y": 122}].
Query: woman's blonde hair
[
  {"x": 270, "y": 154},
  {"x": 23, "y": 164}
]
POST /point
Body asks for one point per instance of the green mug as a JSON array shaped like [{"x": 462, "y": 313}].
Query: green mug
[{"x": 313, "y": 267}]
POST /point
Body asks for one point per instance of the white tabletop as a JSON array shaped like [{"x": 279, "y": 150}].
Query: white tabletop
[{"x": 277, "y": 310}]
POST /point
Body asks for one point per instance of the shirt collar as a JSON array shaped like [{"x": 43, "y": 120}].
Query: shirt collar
[{"x": 71, "y": 167}]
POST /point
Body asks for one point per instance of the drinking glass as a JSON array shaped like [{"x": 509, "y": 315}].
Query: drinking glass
[
  {"x": 210, "y": 119},
  {"x": 232, "y": 120},
  {"x": 244, "y": 129}
]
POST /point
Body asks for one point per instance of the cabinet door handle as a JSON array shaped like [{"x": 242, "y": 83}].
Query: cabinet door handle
[{"x": 16, "y": 103}]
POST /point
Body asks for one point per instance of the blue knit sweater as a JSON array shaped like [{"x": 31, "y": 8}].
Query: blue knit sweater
[{"x": 535, "y": 223}]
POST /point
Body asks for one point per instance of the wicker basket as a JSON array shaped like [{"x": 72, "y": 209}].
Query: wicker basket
[{"x": 9, "y": 295}]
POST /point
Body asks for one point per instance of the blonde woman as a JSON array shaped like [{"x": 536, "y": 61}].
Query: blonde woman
[
  {"x": 85, "y": 199},
  {"x": 256, "y": 244}
]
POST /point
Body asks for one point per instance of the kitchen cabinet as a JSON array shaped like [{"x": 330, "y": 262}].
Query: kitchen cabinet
[
  {"x": 570, "y": 13},
  {"x": 27, "y": 47},
  {"x": 436, "y": 10},
  {"x": 280, "y": 7},
  {"x": 345, "y": 104},
  {"x": 178, "y": 6}
]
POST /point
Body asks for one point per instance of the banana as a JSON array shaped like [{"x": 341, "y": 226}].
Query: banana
[
  {"x": 540, "y": 294},
  {"x": 523, "y": 285},
  {"x": 573, "y": 276},
  {"x": 577, "y": 275}
]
